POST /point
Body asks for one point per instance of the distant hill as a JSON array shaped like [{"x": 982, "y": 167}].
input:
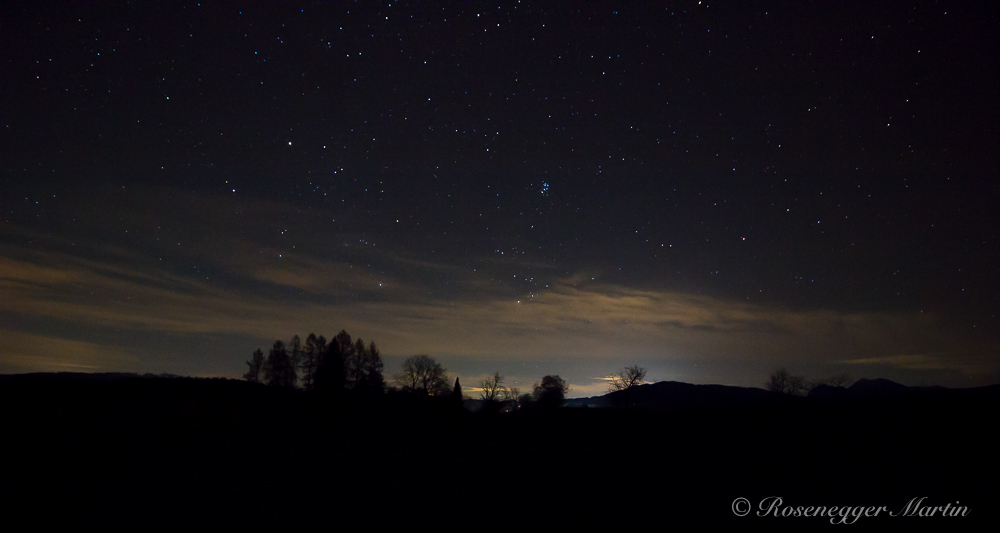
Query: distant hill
[
  {"x": 678, "y": 395},
  {"x": 863, "y": 388},
  {"x": 109, "y": 442},
  {"x": 81, "y": 377},
  {"x": 671, "y": 395},
  {"x": 65, "y": 376},
  {"x": 867, "y": 388}
]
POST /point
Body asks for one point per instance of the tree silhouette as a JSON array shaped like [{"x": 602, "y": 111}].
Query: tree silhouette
[
  {"x": 627, "y": 378},
  {"x": 364, "y": 370},
  {"x": 312, "y": 358},
  {"x": 344, "y": 346},
  {"x": 492, "y": 388},
  {"x": 329, "y": 367},
  {"x": 525, "y": 400},
  {"x": 456, "y": 393},
  {"x": 278, "y": 368},
  {"x": 330, "y": 372},
  {"x": 624, "y": 384},
  {"x": 782, "y": 382},
  {"x": 295, "y": 354},
  {"x": 551, "y": 392},
  {"x": 839, "y": 381},
  {"x": 348, "y": 354},
  {"x": 422, "y": 375},
  {"x": 511, "y": 396},
  {"x": 256, "y": 365}
]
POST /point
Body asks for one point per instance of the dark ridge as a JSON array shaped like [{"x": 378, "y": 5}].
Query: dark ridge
[
  {"x": 677, "y": 395},
  {"x": 94, "y": 443},
  {"x": 869, "y": 388}
]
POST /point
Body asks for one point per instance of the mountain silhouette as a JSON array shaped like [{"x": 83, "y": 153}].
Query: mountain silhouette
[
  {"x": 678, "y": 395},
  {"x": 871, "y": 388}
]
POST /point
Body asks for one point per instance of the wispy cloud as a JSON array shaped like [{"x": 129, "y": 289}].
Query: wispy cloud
[
  {"x": 23, "y": 352},
  {"x": 965, "y": 363},
  {"x": 411, "y": 305},
  {"x": 569, "y": 319},
  {"x": 595, "y": 387}
]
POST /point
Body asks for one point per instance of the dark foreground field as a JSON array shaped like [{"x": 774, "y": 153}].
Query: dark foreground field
[{"x": 76, "y": 446}]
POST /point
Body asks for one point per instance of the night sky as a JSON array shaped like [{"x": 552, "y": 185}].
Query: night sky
[{"x": 709, "y": 190}]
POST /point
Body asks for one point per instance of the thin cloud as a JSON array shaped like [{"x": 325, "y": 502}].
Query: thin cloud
[
  {"x": 926, "y": 361},
  {"x": 24, "y": 352},
  {"x": 596, "y": 320},
  {"x": 398, "y": 300}
]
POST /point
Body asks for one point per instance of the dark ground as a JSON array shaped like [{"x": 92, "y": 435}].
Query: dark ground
[{"x": 170, "y": 447}]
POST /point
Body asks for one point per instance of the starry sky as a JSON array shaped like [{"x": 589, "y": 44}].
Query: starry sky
[{"x": 711, "y": 191}]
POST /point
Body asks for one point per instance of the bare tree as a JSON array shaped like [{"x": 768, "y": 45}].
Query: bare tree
[
  {"x": 839, "y": 381},
  {"x": 511, "y": 396},
  {"x": 492, "y": 388},
  {"x": 627, "y": 379},
  {"x": 423, "y": 375},
  {"x": 782, "y": 382},
  {"x": 621, "y": 388}
]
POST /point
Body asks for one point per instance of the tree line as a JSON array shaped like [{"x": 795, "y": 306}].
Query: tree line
[
  {"x": 319, "y": 364},
  {"x": 783, "y": 382},
  {"x": 551, "y": 392},
  {"x": 345, "y": 365},
  {"x": 342, "y": 365}
]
